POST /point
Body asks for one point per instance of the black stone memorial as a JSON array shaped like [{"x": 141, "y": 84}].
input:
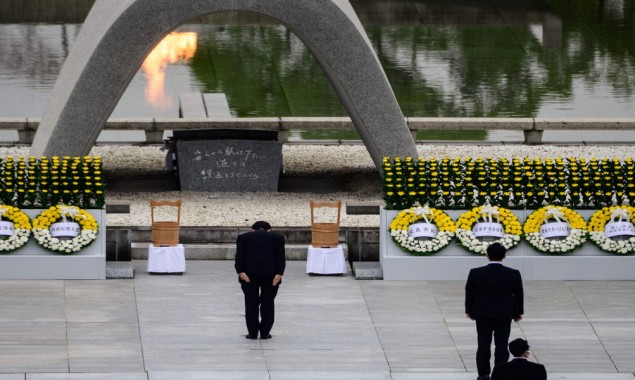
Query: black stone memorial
[{"x": 228, "y": 160}]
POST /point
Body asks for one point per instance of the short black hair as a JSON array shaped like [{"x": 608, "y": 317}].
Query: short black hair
[
  {"x": 496, "y": 252},
  {"x": 518, "y": 347},
  {"x": 261, "y": 225}
]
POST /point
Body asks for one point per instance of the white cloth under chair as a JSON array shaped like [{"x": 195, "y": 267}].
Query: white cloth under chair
[
  {"x": 326, "y": 260},
  {"x": 166, "y": 259}
]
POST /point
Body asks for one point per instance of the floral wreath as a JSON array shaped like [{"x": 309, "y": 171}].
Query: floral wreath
[
  {"x": 466, "y": 221},
  {"x": 599, "y": 220},
  {"x": 43, "y": 221},
  {"x": 575, "y": 239},
  {"x": 400, "y": 224},
  {"x": 22, "y": 229}
]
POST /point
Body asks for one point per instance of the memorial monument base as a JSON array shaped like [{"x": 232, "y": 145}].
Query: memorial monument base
[
  {"x": 32, "y": 262},
  {"x": 454, "y": 262}
]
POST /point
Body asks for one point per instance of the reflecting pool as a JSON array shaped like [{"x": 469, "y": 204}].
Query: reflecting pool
[{"x": 520, "y": 58}]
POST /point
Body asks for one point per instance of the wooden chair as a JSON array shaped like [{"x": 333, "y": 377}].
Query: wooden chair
[
  {"x": 165, "y": 233},
  {"x": 325, "y": 235}
]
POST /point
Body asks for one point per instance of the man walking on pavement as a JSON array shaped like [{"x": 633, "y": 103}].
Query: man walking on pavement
[{"x": 493, "y": 298}]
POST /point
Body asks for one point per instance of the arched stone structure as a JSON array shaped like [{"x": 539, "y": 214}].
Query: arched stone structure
[{"x": 118, "y": 35}]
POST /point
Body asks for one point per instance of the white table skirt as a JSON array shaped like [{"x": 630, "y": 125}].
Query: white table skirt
[
  {"x": 326, "y": 260},
  {"x": 166, "y": 259}
]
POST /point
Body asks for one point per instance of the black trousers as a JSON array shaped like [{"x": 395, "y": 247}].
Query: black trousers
[
  {"x": 500, "y": 328},
  {"x": 259, "y": 295}
]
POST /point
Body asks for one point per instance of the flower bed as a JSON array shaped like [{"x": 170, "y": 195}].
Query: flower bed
[
  {"x": 44, "y": 182},
  {"x": 518, "y": 183}
]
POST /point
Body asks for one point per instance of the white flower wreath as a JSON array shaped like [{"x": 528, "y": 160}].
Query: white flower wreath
[
  {"x": 537, "y": 219},
  {"x": 22, "y": 229},
  {"x": 43, "y": 221},
  {"x": 400, "y": 235},
  {"x": 598, "y": 222},
  {"x": 466, "y": 221}
]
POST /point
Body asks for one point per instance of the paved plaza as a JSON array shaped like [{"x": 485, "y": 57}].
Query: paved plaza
[{"x": 191, "y": 327}]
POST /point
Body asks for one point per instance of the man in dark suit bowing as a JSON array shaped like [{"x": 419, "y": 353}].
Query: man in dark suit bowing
[
  {"x": 519, "y": 368},
  {"x": 260, "y": 263},
  {"x": 493, "y": 297}
]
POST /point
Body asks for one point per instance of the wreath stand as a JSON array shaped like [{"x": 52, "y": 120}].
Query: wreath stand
[{"x": 33, "y": 262}]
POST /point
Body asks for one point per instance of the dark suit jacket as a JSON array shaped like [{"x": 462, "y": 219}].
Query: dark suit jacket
[
  {"x": 494, "y": 291},
  {"x": 519, "y": 369},
  {"x": 260, "y": 252}
]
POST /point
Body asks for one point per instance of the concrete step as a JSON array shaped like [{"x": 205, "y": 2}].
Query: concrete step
[
  {"x": 221, "y": 251},
  {"x": 119, "y": 270},
  {"x": 368, "y": 270}
]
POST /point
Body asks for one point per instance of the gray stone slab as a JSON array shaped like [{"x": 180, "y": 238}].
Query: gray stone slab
[
  {"x": 362, "y": 208},
  {"x": 12, "y": 376},
  {"x": 25, "y": 358},
  {"x": 101, "y": 301},
  {"x": 333, "y": 360},
  {"x": 340, "y": 375},
  {"x": 119, "y": 270},
  {"x": 209, "y": 375},
  {"x": 117, "y": 207},
  {"x": 433, "y": 376},
  {"x": 367, "y": 270},
  {"x": 87, "y": 376},
  {"x": 191, "y": 106},
  {"x": 206, "y": 360},
  {"x": 216, "y": 105},
  {"x": 36, "y": 333},
  {"x": 229, "y": 165}
]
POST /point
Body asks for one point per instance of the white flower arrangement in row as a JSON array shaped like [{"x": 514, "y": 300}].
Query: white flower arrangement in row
[
  {"x": 493, "y": 217},
  {"x": 555, "y": 230},
  {"x": 551, "y": 229},
  {"x": 17, "y": 229},
  {"x": 422, "y": 230},
  {"x": 609, "y": 223},
  {"x": 42, "y": 233}
]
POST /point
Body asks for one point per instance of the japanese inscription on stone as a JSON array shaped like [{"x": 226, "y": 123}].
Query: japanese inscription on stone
[{"x": 229, "y": 165}]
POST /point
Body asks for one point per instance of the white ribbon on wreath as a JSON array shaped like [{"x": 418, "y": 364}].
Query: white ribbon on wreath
[
  {"x": 489, "y": 210},
  {"x": 71, "y": 211},
  {"x": 555, "y": 213},
  {"x": 621, "y": 214},
  {"x": 423, "y": 211}
]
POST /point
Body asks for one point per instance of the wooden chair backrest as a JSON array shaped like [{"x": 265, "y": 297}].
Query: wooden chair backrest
[
  {"x": 315, "y": 205},
  {"x": 177, "y": 203}
]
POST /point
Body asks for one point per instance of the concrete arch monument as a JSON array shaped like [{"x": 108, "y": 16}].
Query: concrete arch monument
[{"x": 118, "y": 35}]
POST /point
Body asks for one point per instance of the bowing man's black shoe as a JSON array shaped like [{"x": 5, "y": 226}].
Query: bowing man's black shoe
[
  {"x": 268, "y": 336},
  {"x": 249, "y": 336},
  {"x": 483, "y": 377}
]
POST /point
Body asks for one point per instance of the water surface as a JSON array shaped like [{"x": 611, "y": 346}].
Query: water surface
[{"x": 496, "y": 58}]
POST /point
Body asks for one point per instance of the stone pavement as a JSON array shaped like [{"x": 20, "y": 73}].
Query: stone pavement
[{"x": 191, "y": 327}]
